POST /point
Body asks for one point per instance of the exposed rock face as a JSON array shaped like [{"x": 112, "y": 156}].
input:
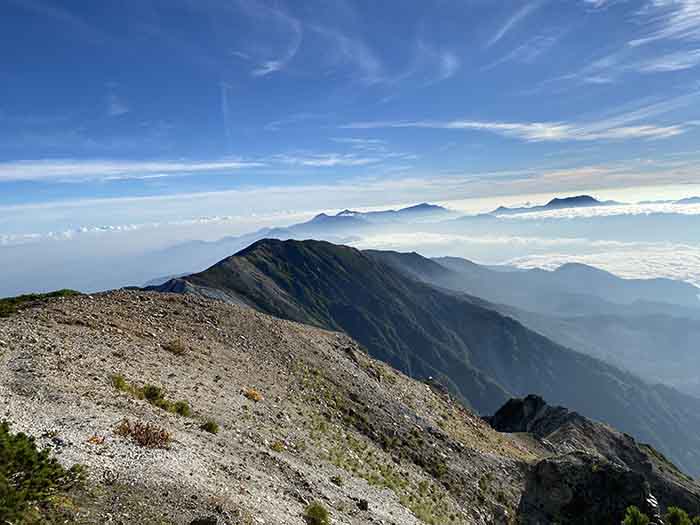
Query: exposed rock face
[
  {"x": 590, "y": 454},
  {"x": 580, "y": 489}
]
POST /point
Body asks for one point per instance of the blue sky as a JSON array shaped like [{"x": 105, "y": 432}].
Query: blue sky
[{"x": 115, "y": 114}]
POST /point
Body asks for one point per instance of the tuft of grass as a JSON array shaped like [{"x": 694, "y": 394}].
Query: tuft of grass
[
  {"x": 182, "y": 408},
  {"x": 278, "y": 446},
  {"x": 253, "y": 394},
  {"x": 144, "y": 434},
  {"x": 11, "y": 305},
  {"x": 29, "y": 477},
  {"x": 176, "y": 347},
  {"x": 316, "y": 514},
  {"x": 210, "y": 426},
  {"x": 120, "y": 383}
]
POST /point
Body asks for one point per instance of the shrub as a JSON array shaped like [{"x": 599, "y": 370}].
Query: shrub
[
  {"x": 28, "y": 475},
  {"x": 176, "y": 347},
  {"x": 316, "y": 514},
  {"x": 676, "y": 516},
  {"x": 144, "y": 434},
  {"x": 633, "y": 516},
  {"x": 120, "y": 383},
  {"x": 153, "y": 393},
  {"x": 210, "y": 426},
  {"x": 182, "y": 408},
  {"x": 253, "y": 394}
]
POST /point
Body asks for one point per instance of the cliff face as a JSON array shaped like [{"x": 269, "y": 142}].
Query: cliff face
[{"x": 591, "y": 454}]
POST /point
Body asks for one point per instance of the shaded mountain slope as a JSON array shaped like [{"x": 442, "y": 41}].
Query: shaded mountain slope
[
  {"x": 483, "y": 356},
  {"x": 657, "y": 341}
]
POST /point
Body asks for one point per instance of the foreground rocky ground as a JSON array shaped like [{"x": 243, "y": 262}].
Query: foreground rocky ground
[{"x": 303, "y": 416}]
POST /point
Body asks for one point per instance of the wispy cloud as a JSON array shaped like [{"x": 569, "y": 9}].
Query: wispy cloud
[
  {"x": 527, "y": 52},
  {"x": 353, "y": 51},
  {"x": 513, "y": 21},
  {"x": 540, "y": 131},
  {"x": 669, "y": 19},
  {"x": 621, "y": 125},
  {"x": 278, "y": 25},
  {"x": 328, "y": 160},
  {"x": 677, "y": 61},
  {"x": 100, "y": 169}
]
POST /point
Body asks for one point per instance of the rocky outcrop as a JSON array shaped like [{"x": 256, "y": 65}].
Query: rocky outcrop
[
  {"x": 580, "y": 489},
  {"x": 587, "y": 455}
]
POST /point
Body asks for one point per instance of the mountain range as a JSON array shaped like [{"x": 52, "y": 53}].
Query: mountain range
[
  {"x": 648, "y": 326},
  {"x": 482, "y": 355}
]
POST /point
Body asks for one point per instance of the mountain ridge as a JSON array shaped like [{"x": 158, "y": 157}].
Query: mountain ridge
[{"x": 481, "y": 355}]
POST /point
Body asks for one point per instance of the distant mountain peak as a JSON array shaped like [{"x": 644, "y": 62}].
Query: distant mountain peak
[
  {"x": 577, "y": 201},
  {"x": 569, "y": 202}
]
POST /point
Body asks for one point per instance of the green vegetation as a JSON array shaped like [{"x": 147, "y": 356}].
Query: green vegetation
[
  {"x": 29, "y": 478},
  {"x": 11, "y": 305},
  {"x": 144, "y": 434},
  {"x": 316, "y": 514},
  {"x": 673, "y": 516},
  {"x": 676, "y": 516},
  {"x": 633, "y": 516},
  {"x": 210, "y": 426},
  {"x": 155, "y": 395}
]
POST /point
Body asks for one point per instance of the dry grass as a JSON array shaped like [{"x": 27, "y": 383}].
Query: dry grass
[
  {"x": 253, "y": 394},
  {"x": 176, "y": 347},
  {"x": 144, "y": 434}
]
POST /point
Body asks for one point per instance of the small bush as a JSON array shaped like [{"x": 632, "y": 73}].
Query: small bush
[
  {"x": 182, "y": 408},
  {"x": 210, "y": 426},
  {"x": 676, "y": 516},
  {"x": 153, "y": 393},
  {"x": 316, "y": 514},
  {"x": 633, "y": 516},
  {"x": 144, "y": 434},
  {"x": 176, "y": 347},
  {"x": 253, "y": 394},
  {"x": 120, "y": 383},
  {"x": 278, "y": 446},
  {"x": 28, "y": 476}
]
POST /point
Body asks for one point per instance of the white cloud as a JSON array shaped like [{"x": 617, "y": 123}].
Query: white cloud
[
  {"x": 75, "y": 168},
  {"x": 527, "y": 52},
  {"x": 640, "y": 261},
  {"x": 353, "y": 51},
  {"x": 540, "y": 131},
  {"x": 678, "y": 61},
  {"x": 669, "y": 20},
  {"x": 513, "y": 21},
  {"x": 608, "y": 211},
  {"x": 328, "y": 160}
]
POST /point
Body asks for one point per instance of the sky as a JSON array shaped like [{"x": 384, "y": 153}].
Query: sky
[{"x": 242, "y": 113}]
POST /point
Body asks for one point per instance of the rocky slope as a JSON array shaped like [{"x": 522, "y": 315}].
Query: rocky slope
[
  {"x": 483, "y": 356},
  {"x": 567, "y": 433},
  {"x": 304, "y": 415}
]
